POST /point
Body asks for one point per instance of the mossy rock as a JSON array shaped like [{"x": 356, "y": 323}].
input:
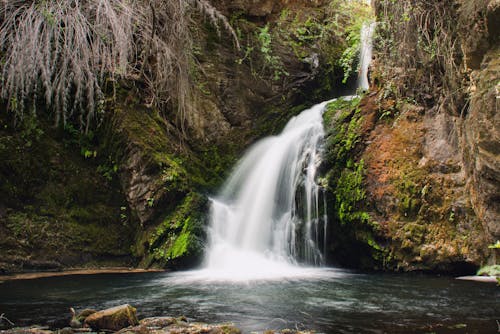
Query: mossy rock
[
  {"x": 113, "y": 319},
  {"x": 178, "y": 241}
]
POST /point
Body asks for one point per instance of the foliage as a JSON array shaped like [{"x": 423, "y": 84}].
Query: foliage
[
  {"x": 30, "y": 130},
  {"x": 349, "y": 59},
  {"x": 270, "y": 60},
  {"x": 64, "y": 52},
  {"x": 317, "y": 38}
]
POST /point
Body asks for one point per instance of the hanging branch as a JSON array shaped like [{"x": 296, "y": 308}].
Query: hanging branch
[{"x": 2, "y": 318}]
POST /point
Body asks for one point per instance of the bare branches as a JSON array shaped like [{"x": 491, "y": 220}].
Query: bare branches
[
  {"x": 61, "y": 51},
  {"x": 215, "y": 17}
]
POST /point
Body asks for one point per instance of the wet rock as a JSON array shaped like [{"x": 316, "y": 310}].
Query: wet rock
[
  {"x": 481, "y": 140},
  {"x": 113, "y": 319},
  {"x": 74, "y": 323},
  {"x": 66, "y": 330},
  {"x": 200, "y": 328},
  {"x": 493, "y": 18},
  {"x": 161, "y": 322},
  {"x": 141, "y": 329},
  {"x": 180, "y": 325},
  {"x": 288, "y": 331}
]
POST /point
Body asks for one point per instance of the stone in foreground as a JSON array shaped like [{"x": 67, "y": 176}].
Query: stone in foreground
[{"x": 113, "y": 319}]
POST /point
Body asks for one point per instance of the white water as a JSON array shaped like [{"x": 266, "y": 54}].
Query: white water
[{"x": 269, "y": 216}]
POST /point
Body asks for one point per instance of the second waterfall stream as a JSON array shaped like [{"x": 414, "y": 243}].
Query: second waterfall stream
[{"x": 270, "y": 215}]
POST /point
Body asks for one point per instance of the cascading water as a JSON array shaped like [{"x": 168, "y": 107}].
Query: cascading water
[
  {"x": 268, "y": 212},
  {"x": 270, "y": 215},
  {"x": 365, "y": 56}
]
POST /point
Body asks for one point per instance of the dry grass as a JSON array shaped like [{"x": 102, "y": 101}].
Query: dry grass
[{"x": 61, "y": 52}]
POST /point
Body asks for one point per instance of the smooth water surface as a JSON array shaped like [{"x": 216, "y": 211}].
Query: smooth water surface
[{"x": 325, "y": 300}]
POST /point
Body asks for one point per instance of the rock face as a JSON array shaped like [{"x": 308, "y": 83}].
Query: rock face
[
  {"x": 428, "y": 142},
  {"x": 481, "y": 144},
  {"x": 112, "y": 319}
]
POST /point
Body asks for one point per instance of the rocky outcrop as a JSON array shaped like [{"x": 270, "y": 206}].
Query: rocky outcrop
[
  {"x": 156, "y": 325},
  {"x": 427, "y": 141},
  {"x": 481, "y": 144}
]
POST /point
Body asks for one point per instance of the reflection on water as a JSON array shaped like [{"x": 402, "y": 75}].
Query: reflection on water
[{"x": 326, "y": 300}]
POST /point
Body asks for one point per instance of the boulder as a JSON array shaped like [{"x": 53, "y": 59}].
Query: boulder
[{"x": 113, "y": 319}]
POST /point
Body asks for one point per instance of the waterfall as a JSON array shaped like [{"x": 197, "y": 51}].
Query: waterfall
[
  {"x": 269, "y": 208},
  {"x": 271, "y": 214},
  {"x": 365, "y": 54}
]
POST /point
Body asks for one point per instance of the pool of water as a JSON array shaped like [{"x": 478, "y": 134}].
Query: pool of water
[{"x": 325, "y": 300}]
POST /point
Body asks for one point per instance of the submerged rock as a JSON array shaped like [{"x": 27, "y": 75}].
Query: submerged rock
[{"x": 113, "y": 319}]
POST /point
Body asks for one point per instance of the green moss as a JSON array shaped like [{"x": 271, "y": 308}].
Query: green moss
[
  {"x": 344, "y": 177},
  {"x": 342, "y": 120},
  {"x": 43, "y": 236},
  {"x": 349, "y": 193},
  {"x": 180, "y": 235},
  {"x": 181, "y": 245}
]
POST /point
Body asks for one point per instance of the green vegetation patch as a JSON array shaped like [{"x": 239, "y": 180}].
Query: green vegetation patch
[{"x": 180, "y": 235}]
